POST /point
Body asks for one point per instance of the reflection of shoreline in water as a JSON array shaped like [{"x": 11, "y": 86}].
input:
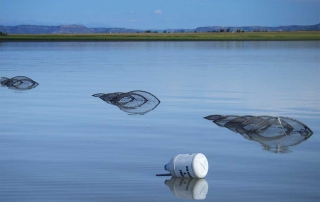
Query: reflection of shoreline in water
[
  {"x": 133, "y": 102},
  {"x": 188, "y": 188},
  {"x": 18, "y": 83},
  {"x": 275, "y": 134}
]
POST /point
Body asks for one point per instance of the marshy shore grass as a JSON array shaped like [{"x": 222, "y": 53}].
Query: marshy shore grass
[{"x": 224, "y": 36}]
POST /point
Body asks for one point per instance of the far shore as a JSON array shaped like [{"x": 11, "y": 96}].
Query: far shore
[{"x": 224, "y": 36}]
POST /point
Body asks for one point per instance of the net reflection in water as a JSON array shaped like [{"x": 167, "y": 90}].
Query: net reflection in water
[
  {"x": 18, "y": 83},
  {"x": 133, "y": 102},
  {"x": 274, "y": 133}
]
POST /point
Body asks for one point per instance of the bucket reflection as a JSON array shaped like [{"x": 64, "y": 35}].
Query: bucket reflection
[{"x": 188, "y": 188}]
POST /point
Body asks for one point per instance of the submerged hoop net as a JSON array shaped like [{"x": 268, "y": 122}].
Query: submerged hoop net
[
  {"x": 274, "y": 133},
  {"x": 133, "y": 102},
  {"x": 18, "y": 83}
]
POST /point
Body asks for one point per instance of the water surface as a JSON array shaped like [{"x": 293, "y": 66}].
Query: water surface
[{"x": 59, "y": 143}]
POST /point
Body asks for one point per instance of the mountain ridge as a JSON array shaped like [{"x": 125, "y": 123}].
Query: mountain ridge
[{"x": 81, "y": 29}]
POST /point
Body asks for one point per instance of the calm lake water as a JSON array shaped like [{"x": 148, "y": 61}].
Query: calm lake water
[{"x": 59, "y": 143}]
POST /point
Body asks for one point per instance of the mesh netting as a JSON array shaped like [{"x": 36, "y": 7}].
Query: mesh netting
[
  {"x": 18, "y": 83},
  {"x": 274, "y": 133},
  {"x": 133, "y": 102}
]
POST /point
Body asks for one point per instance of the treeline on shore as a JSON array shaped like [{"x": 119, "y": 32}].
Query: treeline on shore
[{"x": 3, "y": 34}]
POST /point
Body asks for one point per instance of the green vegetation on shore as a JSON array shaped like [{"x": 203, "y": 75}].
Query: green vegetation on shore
[{"x": 247, "y": 36}]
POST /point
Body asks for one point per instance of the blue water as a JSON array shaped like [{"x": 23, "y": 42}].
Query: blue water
[{"x": 59, "y": 143}]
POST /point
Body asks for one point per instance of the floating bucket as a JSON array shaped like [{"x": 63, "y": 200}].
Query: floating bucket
[{"x": 188, "y": 166}]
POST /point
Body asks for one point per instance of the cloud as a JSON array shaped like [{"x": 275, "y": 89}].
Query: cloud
[{"x": 157, "y": 12}]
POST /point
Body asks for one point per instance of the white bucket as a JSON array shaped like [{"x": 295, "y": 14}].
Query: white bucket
[
  {"x": 188, "y": 188},
  {"x": 188, "y": 166}
]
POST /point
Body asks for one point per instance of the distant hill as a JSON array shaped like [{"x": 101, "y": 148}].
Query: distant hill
[
  {"x": 261, "y": 28},
  {"x": 62, "y": 29},
  {"x": 80, "y": 29}
]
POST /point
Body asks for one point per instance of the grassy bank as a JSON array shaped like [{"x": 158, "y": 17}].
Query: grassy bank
[{"x": 249, "y": 36}]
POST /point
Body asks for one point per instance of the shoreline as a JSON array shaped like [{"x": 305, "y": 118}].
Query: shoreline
[{"x": 136, "y": 37}]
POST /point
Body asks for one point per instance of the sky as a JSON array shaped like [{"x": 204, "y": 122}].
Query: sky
[{"x": 160, "y": 14}]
